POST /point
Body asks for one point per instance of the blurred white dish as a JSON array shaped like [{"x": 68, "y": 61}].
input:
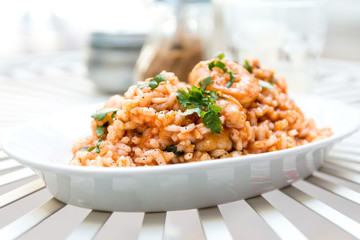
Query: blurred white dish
[{"x": 44, "y": 146}]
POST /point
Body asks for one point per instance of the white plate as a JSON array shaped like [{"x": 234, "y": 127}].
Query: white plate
[{"x": 44, "y": 145}]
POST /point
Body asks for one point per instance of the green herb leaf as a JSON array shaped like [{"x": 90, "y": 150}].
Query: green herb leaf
[
  {"x": 213, "y": 95},
  {"x": 272, "y": 80},
  {"x": 142, "y": 85},
  {"x": 154, "y": 83},
  {"x": 100, "y": 130},
  {"x": 206, "y": 82},
  {"x": 247, "y": 66},
  {"x": 232, "y": 78},
  {"x": 101, "y": 114},
  {"x": 97, "y": 145},
  {"x": 88, "y": 149},
  {"x": 173, "y": 148},
  {"x": 194, "y": 97},
  {"x": 266, "y": 85},
  {"x": 179, "y": 153},
  {"x": 191, "y": 111},
  {"x": 218, "y": 64},
  {"x": 211, "y": 65},
  {"x": 221, "y": 56},
  {"x": 211, "y": 119},
  {"x": 138, "y": 133},
  {"x": 197, "y": 100}
]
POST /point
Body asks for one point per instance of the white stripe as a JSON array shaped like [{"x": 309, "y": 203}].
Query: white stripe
[
  {"x": 281, "y": 225},
  {"x": 213, "y": 224},
  {"x": 341, "y": 191},
  {"x": 31, "y": 219},
  {"x": 324, "y": 210},
  {"x": 15, "y": 176},
  {"x": 153, "y": 226},
  {"x": 90, "y": 226},
  {"x": 21, "y": 192}
]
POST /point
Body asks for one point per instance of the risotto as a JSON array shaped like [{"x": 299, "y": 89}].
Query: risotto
[{"x": 227, "y": 110}]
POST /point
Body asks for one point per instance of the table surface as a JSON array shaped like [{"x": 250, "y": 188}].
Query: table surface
[{"x": 323, "y": 206}]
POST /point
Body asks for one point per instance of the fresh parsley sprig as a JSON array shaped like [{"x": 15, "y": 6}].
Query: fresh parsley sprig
[
  {"x": 198, "y": 100},
  {"x": 154, "y": 83}
]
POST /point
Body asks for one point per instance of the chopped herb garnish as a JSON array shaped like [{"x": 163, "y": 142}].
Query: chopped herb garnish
[
  {"x": 247, "y": 66},
  {"x": 232, "y": 78},
  {"x": 154, "y": 83},
  {"x": 101, "y": 114},
  {"x": 173, "y": 148},
  {"x": 206, "y": 82},
  {"x": 272, "y": 80},
  {"x": 137, "y": 132},
  {"x": 211, "y": 119},
  {"x": 191, "y": 111},
  {"x": 88, "y": 149},
  {"x": 213, "y": 95},
  {"x": 218, "y": 64},
  {"x": 196, "y": 100},
  {"x": 266, "y": 85},
  {"x": 143, "y": 85},
  {"x": 179, "y": 153},
  {"x": 221, "y": 56},
  {"x": 97, "y": 146},
  {"x": 221, "y": 65},
  {"x": 100, "y": 130}
]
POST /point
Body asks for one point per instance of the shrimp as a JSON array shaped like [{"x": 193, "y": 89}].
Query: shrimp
[
  {"x": 235, "y": 116},
  {"x": 245, "y": 88}
]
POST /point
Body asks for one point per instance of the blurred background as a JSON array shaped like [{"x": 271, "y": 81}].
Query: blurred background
[
  {"x": 108, "y": 35},
  {"x": 41, "y": 26},
  {"x": 59, "y": 54}
]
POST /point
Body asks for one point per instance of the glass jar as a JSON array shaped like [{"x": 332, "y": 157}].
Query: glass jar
[
  {"x": 180, "y": 38},
  {"x": 287, "y": 36},
  {"x": 111, "y": 58}
]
